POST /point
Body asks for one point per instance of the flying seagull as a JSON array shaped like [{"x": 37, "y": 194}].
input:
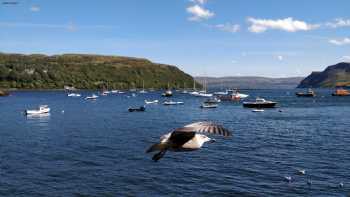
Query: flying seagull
[{"x": 187, "y": 138}]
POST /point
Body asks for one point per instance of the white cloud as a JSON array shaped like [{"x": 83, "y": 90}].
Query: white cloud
[
  {"x": 339, "y": 22},
  {"x": 199, "y": 13},
  {"x": 340, "y": 42},
  {"x": 346, "y": 57},
  {"x": 228, "y": 27},
  {"x": 287, "y": 24},
  {"x": 280, "y": 57},
  {"x": 234, "y": 61},
  {"x": 35, "y": 8}
]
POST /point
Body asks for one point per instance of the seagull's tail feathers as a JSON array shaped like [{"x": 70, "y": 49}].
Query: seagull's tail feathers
[
  {"x": 157, "y": 147},
  {"x": 159, "y": 155}
]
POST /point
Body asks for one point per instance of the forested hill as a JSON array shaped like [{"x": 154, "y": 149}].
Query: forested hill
[
  {"x": 86, "y": 72},
  {"x": 332, "y": 76}
]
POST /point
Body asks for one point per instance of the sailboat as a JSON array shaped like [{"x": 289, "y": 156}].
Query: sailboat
[
  {"x": 194, "y": 92},
  {"x": 143, "y": 87},
  {"x": 184, "y": 91},
  {"x": 204, "y": 93}
]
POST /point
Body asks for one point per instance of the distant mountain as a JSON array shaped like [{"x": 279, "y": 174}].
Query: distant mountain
[
  {"x": 250, "y": 82},
  {"x": 86, "y": 72},
  {"x": 336, "y": 75}
]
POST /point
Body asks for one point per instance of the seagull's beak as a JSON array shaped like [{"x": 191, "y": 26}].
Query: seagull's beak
[{"x": 212, "y": 140}]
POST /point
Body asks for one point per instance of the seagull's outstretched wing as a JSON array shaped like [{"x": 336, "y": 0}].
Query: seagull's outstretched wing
[
  {"x": 205, "y": 127},
  {"x": 179, "y": 138}
]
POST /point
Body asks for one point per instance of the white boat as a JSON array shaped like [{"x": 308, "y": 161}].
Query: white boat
[
  {"x": 209, "y": 105},
  {"x": 238, "y": 95},
  {"x": 114, "y": 91},
  {"x": 212, "y": 100},
  {"x": 194, "y": 93},
  {"x": 151, "y": 102},
  {"x": 204, "y": 94},
  {"x": 258, "y": 110},
  {"x": 173, "y": 103},
  {"x": 92, "y": 97},
  {"x": 167, "y": 93},
  {"x": 74, "y": 95},
  {"x": 221, "y": 93},
  {"x": 43, "y": 109},
  {"x": 70, "y": 88}
]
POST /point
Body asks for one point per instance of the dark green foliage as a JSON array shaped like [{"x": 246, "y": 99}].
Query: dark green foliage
[
  {"x": 332, "y": 76},
  {"x": 86, "y": 72}
]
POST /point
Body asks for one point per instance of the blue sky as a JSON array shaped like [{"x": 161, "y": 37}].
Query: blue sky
[{"x": 271, "y": 38}]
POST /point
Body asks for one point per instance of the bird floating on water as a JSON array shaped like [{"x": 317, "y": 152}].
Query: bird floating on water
[
  {"x": 288, "y": 178},
  {"x": 187, "y": 138},
  {"x": 301, "y": 172},
  {"x": 341, "y": 184}
]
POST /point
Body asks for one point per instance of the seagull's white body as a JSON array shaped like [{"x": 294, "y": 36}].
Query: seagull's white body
[
  {"x": 193, "y": 144},
  {"x": 186, "y": 138}
]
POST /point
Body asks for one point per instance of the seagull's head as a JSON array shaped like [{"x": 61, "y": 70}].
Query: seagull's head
[{"x": 205, "y": 138}]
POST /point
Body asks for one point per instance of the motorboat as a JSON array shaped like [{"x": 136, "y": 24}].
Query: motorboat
[
  {"x": 114, "y": 91},
  {"x": 259, "y": 103},
  {"x": 221, "y": 93},
  {"x": 341, "y": 92},
  {"x": 74, "y": 95},
  {"x": 70, "y": 88},
  {"x": 173, "y": 103},
  {"x": 151, "y": 102},
  {"x": 204, "y": 94},
  {"x": 258, "y": 110},
  {"x": 212, "y": 100},
  {"x": 309, "y": 93},
  {"x": 92, "y": 97},
  {"x": 42, "y": 109},
  {"x": 209, "y": 105},
  {"x": 167, "y": 93},
  {"x": 232, "y": 95},
  {"x": 138, "y": 109}
]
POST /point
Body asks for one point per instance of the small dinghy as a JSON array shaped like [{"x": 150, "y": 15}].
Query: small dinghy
[
  {"x": 92, "y": 97},
  {"x": 139, "y": 109},
  {"x": 43, "y": 109},
  {"x": 258, "y": 110},
  {"x": 209, "y": 105},
  {"x": 151, "y": 102},
  {"x": 73, "y": 95},
  {"x": 173, "y": 103}
]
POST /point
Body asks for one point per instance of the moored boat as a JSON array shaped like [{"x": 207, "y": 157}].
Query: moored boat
[
  {"x": 232, "y": 95},
  {"x": 209, "y": 105},
  {"x": 167, "y": 93},
  {"x": 309, "y": 93},
  {"x": 259, "y": 103},
  {"x": 138, "y": 109},
  {"x": 173, "y": 103},
  {"x": 341, "y": 92},
  {"x": 73, "y": 95},
  {"x": 42, "y": 109},
  {"x": 151, "y": 102},
  {"x": 92, "y": 97}
]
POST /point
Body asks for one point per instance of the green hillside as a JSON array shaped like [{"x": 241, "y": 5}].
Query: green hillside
[
  {"x": 86, "y": 72},
  {"x": 332, "y": 76}
]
